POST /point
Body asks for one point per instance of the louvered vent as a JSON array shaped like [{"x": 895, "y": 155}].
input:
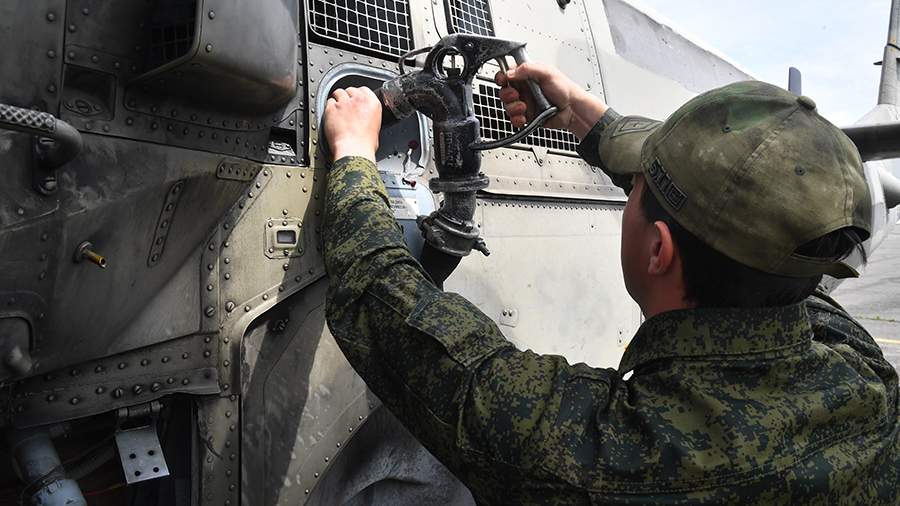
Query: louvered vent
[
  {"x": 470, "y": 16},
  {"x": 495, "y": 124},
  {"x": 170, "y": 31},
  {"x": 378, "y": 25}
]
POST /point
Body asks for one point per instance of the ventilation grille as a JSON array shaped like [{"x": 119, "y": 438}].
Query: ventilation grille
[
  {"x": 470, "y": 16},
  {"x": 170, "y": 31},
  {"x": 495, "y": 124},
  {"x": 379, "y": 25}
]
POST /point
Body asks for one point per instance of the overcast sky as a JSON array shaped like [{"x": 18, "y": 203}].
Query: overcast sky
[{"x": 833, "y": 42}]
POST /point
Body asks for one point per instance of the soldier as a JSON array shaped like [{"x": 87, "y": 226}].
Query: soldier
[{"x": 738, "y": 388}]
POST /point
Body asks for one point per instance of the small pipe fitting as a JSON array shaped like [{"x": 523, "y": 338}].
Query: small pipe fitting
[{"x": 85, "y": 251}]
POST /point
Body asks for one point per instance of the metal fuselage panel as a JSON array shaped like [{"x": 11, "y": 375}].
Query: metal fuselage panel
[
  {"x": 560, "y": 290},
  {"x": 202, "y": 181}
]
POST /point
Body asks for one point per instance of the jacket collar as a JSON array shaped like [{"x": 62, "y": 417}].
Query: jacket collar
[{"x": 717, "y": 332}]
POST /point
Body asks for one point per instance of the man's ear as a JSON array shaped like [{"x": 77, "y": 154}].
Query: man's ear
[{"x": 662, "y": 250}]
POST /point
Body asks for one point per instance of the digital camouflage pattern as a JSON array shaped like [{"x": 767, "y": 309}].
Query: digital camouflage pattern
[{"x": 791, "y": 405}]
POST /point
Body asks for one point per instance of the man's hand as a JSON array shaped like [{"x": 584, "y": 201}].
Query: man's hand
[
  {"x": 353, "y": 123},
  {"x": 578, "y": 112}
]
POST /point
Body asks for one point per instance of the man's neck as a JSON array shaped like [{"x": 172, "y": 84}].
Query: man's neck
[{"x": 663, "y": 304}]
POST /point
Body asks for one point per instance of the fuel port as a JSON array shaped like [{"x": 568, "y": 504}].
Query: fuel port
[{"x": 403, "y": 153}]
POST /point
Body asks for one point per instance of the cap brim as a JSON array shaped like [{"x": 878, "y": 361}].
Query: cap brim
[
  {"x": 621, "y": 144},
  {"x": 802, "y": 266}
]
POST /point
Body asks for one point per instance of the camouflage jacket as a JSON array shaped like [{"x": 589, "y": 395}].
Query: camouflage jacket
[{"x": 789, "y": 405}]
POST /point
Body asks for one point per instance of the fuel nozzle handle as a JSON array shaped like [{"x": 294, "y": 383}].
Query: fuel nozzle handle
[
  {"x": 545, "y": 110},
  {"x": 521, "y": 56}
]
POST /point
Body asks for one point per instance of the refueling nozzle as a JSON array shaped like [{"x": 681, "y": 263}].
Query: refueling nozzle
[{"x": 442, "y": 91}]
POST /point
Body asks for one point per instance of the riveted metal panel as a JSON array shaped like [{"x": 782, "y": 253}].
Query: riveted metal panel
[
  {"x": 31, "y": 46},
  {"x": 113, "y": 199},
  {"x": 210, "y": 285},
  {"x": 170, "y": 205},
  {"x": 560, "y": 290},
  {"x": 181, "y": 366},
  {"x": 112, "y": 89},
  {"x": 218, "y": 424},
  {"x": 545, "y": 164},
  {"x": 562, "y": 36},
  {"x": 236, "y": 69},
  {"x": 179, "y": 300},
  {"x": 302, "y": 400},
  {"x": 251, "y": 281},
  {"x": 31, "y": 70}
]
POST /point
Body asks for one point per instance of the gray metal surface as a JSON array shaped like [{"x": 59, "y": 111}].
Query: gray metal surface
[
  {"x": 234, "y": 70},
  {"x": 384, "y": 465},
  {"x": 140, "y": 453},
  {"x": 200, "y": 121},
  {"x": 552, "y": 295},
  {"x": 219, "y": 461},
  {"x": 302, "y": 401},
  {"x": 114, "y": 200},
  {"x": 658, "y": 48},
  {"x": 186, "y": 365},
  {"x": 872, "y": 298}
]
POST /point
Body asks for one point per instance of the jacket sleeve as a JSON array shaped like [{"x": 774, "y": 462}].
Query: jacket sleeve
[
  {"x": 485, "y": 409},
  {"x": 589, "y": 149}
]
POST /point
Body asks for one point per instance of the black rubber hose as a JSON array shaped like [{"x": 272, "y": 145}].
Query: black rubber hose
[
  {"x": 438, "y": 265},
  {"x": 387, "y": 115}
]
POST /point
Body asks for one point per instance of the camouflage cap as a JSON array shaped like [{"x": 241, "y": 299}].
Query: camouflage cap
[{"x": 751, "y": 170}]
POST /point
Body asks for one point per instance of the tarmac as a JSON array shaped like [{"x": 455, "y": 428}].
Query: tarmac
[{"x": 874, "y": 298}]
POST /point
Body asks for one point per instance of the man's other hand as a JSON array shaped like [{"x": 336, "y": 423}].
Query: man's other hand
[
  {"x": 352, "y": 123},
  {"x": 578, "y": 112}
]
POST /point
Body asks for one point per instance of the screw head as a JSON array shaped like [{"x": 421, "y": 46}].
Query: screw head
[{"x": 210, "y": 312}]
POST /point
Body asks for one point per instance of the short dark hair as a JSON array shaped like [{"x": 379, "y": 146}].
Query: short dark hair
[{"x": 712, "y": 279}]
